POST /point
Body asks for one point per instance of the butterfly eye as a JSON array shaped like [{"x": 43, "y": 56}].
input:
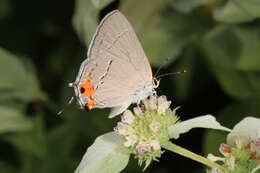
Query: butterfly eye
[{"x": 82, "y": 90}]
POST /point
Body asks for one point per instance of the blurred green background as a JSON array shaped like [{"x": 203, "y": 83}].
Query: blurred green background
[{"x": 43, "y": 42}]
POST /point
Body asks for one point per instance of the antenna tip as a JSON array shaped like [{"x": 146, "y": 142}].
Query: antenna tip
[
  {"x": 71, "y": 84},
  {"x": 60, "y": 112},
  {"x": 184, "y": 71}
]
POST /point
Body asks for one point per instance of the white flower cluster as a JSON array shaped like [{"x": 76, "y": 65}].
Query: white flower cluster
[
  {"x": 233, "y": 156},
  {"x": 145, "y": 128},
  {"x": 242, "y": 153}
]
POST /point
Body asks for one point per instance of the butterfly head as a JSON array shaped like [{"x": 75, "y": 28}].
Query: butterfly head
[{"x": 84, "y": 92}]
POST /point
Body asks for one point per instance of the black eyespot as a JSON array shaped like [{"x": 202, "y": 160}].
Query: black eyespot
[
  {"x": 82, "y": 90},
  {"x": 86, "y": 108}
]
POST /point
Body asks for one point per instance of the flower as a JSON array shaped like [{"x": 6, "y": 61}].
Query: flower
[
  {"x": 231, "y": 162},
  {"x": 142, "y": 148},
  {"x": 242, "y": 151},
  {"x": 163, "y": 105},
  {"x": 127, "y": 117},
  {"x": 137, "y": 110},
  {"x": 255, "y": 147},
  {"x": 243, "y": 132},
  {"x": 130, "y": 140},
  {"x": 155, "y": 126},
  {"x": 146, "y": 130},
  {"x": 224, "y": 149},
  {"x": 238, "y": 140},
  {"x": 123, "y": 129},
  {"x": 216, "y": 170},
  {"x": 152, "y": 102},
  {"x": 143, "y": 140},
  {"x": 155, "y": 144}
]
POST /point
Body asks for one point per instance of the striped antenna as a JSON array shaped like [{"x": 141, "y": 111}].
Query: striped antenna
[
  {"x": 69, "y": 102},
  {"x": 169, "y": 74}
]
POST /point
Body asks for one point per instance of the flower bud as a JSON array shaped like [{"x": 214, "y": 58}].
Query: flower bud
[
  {"x": 163, "y": 105},
  {"x": 130, "y": 140},
  {"x": 123, "y": 129},
  {"x": 155, "y": 126},
  {"x": 224, "y": 149},
  {"x": 127, "y": 117},
  {"x": 143, "y": 148},
  {"x": 137, "y": 110},
  {"x": 155, "y": 144}
]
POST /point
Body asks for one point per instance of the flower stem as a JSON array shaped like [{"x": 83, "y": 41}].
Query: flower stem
[{"x": 186, "y": 153}]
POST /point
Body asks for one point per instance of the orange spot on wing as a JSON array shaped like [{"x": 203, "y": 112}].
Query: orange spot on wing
[
  {"x": 90, "y": 104},
  {"x": 87, "y": 88}
]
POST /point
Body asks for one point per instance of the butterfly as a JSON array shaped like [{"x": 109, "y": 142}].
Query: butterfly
[{"x": 116, "y": 72}]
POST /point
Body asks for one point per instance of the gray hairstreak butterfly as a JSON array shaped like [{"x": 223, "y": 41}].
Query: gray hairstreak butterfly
[{"x": 117, "y": 72}]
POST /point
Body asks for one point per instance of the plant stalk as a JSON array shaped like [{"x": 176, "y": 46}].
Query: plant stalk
[{"x": 186, "y": 153}]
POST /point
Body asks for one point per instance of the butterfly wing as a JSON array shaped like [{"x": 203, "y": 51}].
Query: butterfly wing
[
  {"x": 116, "y": 63},
  {"x": 116, "y": 37}
]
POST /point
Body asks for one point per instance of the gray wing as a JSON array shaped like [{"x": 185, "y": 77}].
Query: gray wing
[
  {"x": 116, "y": 37},
  {"x": 116, "y": 63}
]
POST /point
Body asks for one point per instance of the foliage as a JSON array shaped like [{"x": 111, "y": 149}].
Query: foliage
[{"x": 217, "y": 41}]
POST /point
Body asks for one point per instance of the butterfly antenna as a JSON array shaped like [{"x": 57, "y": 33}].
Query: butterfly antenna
[
  {"x": 161, "y": 66},
  {"x": 69, "y": 102},
  {"x": 168, "y": 74}
]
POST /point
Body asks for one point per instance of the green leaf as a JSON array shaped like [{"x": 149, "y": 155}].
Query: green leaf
[
  {"x": 33, "y": 141},
  {"x": 85, "y": 20},
  {"x": 222, "y": 46},
  {"x": 206, "y": 121},
  {"x": 187, "y": 6},
  {"x": 163, "y": 32},
  {"x": 7, "y": 168},
  {"x": 62, "y": 156},
  {"x": 86, "y": 16},
  {"x": 234, "y": 82},
  {"x": 250, "y": 40},
  {"x": 151, "y": 28},
  {"x": 99, "y": 4},
  {"x": 224, "y": 50},
  {"x": 238, "y": 11},
  {"x": 106, "y": 154},
  {"x": 249, "y": 127},
  {"x": 17, "y": 78},
  {"x": 6, "y": 8},
  {"x": 11, "y": 120}
]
